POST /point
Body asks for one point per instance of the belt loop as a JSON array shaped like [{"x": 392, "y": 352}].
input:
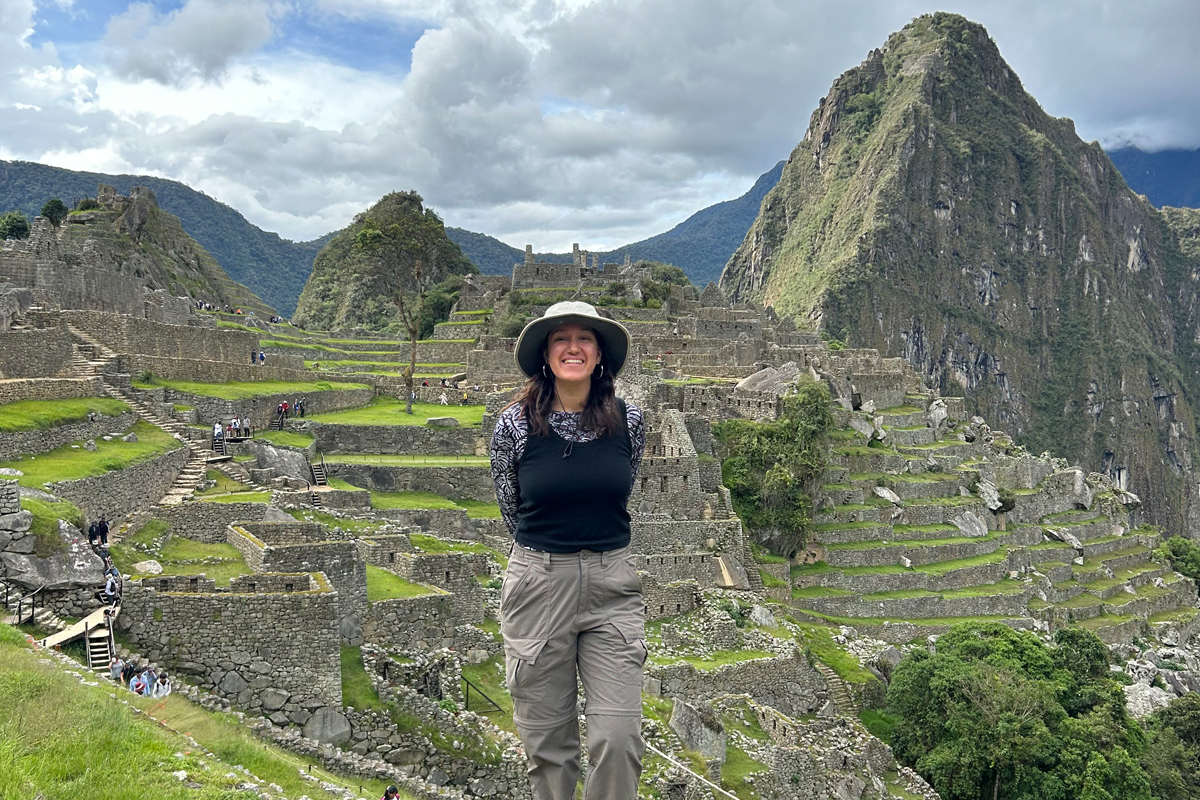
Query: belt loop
[
  {"x": 546, "y": 558},
  {"x": 604, "y": 557}
]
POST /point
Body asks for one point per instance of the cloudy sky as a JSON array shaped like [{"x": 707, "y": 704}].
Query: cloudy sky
[{"x": 543, "y": 121}]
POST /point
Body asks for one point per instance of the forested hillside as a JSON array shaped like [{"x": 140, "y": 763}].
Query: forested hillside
[{"x": 273, "y": 267}]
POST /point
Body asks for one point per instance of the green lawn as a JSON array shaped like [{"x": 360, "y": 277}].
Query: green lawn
[
  {"x": 387, "y": 460},
  {"x": 720, "y": 658},
  {"x": 385, "y": 585},
  {"x": 180, "y": 556},
  {"x": 286, "y": 438},
  {"x": 241, "y": 390},
  {"x": 386, "y": 410},
  {"x": 28, "y": 415},
  {"x": 224, "y": 484},
  {"x": 45, "y": 523},
  {"x": 818, "y": 640},
  {"x": 737, "y": 766},
  {"x": 486, "y": 677},
  {"x": 70, "y": 463},
  {"x": 358, "y": 526},
  {"x": 432, "y": 544},
  {"x": 238, "y": 497},
  {"x": 421, "y": 500},
  {"x": 357, "y": 692}
]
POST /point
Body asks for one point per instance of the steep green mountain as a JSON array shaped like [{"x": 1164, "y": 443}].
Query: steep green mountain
[
  {"x": 1168, "y": 177},
  {"x": 933, "y": 210},
  {"x": 350, "y": 285},
  {"x": 700, "y": 245},
  {"x": 272, "y": 267}
]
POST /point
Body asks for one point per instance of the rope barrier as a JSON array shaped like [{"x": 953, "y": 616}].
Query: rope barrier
[{"x": 698, "y": 777}]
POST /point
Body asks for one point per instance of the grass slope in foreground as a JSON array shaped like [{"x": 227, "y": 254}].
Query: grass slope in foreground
[{"x": 59, "y": 739}]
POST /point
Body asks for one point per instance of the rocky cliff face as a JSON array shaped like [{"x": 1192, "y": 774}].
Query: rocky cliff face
[
  {"x": 935, "y": 211},
  {"x": 350, "y": 287}
]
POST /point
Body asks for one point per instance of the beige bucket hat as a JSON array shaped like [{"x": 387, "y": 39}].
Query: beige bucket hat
[{"x": 614, "y": 338}]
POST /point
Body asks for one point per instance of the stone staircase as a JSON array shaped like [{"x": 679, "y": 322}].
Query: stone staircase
[
  {"x": 839, "y": 692},
  {"x": 89, "y": 356},
  {"x": 911, "y": 530}
]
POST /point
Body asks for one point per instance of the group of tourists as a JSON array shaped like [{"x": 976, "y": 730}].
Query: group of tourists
[
  {"x": 98, "y": 533},
  {"x": 143, "y": 681},
  {"x": 276, "y": 320},
  {"x": 110, "y": 595},
  {"x": 286, "y": 409},
  {"x": 258, "y": 357}
]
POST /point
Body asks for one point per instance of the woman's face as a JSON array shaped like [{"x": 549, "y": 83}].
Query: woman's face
[{"x": 572, "y": 351}]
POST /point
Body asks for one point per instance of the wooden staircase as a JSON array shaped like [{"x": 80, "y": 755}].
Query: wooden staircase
[{"x": 320, "y": 477}]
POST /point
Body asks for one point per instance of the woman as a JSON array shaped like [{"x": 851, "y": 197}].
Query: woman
[{"x": 565, "y": 456}]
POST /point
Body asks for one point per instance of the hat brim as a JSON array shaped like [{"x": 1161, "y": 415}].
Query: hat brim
[{"x": 614, "y": 341}]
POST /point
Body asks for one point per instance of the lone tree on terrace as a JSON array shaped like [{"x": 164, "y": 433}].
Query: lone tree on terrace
[
  {"x": 409, "y": 249},
  {"x": 55, "y": 211}
]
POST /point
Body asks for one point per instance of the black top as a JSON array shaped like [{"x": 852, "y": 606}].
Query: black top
[{"x": 573, "y": 494}]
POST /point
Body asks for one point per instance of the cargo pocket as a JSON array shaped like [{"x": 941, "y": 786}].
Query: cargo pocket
[
  {"x": 522, "y": 604},
  {"x": 520, "y": 669},
  {"x": 634, "y": 634}
]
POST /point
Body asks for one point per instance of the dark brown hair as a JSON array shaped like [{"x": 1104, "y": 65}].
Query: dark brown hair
[{"x": 599, "y": 415}]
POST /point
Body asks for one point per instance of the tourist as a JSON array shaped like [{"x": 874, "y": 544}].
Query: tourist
[
  {"x": 102, "y": 529},
  {"x": 391, "y": 793},
  {"x": 233, "y": 426},
  {"x": 217, "y": 432},
  {"x": 464, "y": 398},
  {"x": 443, "y": 400},
  {"x": 93, "y": 534},
  {"x": 128, "y": 672},
  {"x": 565, "y": 456},
  {"x": 285, "y": 407},
  {"x": 161, "y": 688},
  {"x": 137, "y": 684},
  {"x": 110, "y": 595},
  {"x": 262, "y": 358},
  {"x": 115, "y": 666},
  {"x": 300, "y": 407},
  {"x": 253, "y": 356}
]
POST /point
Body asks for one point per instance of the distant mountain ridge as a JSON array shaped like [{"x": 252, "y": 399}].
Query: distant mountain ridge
[
  {"x": 1167, "y": 178},
  {"x": 273, "y": 267},
  {"x": 700, "y": 245}
]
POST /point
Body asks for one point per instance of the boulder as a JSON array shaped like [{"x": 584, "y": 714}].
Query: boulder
[
  {"x": 1141, "y": 671},
  {"x": 863, "y": 427},
  {"x": 148, "y": 567},
  {"x": 729, "y": 573},
  {"x": 74, "y": 567},
  {"x": 890, "y": 657},
  {"x": 770, "y": 380},
  {"x": 699, "y": 729},
  {"x": 889, "y": 495},
  {"x": 280, "y": 459},
  {"x": 19, "y": 522},
  {"x": 937, "y": 413},
  {"x": 129, "y": 437},
  {"x": 990, "y": 495},
  {"x": 233, "y": 683},
  {"x": 760, "y": 616},
  {"x": 970, "y": 524},
  {"x": 1142, "y": 700},
  {"x": 90, "y": 444},
  {"x": 329, "y": 726},
  {"x": 442, "y": 422},
  {"x": 274, "y": 699}
]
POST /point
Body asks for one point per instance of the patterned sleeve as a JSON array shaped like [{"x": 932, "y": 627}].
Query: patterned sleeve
[
  {"x": 508, "y": 444},
  {"x": 637, "y": 439}
]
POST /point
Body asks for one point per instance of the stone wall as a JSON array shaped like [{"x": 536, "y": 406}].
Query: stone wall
[
  {"x": 49, "y": 388},
  {"x": 262, "y": 409},
  {"x": 653, "y": 537},
  {"x": 115, "y": 494},
  {"x": 43, "y": 439},
  {"x": 454, "y": 572},
  {"x": 456, "y": 483},
  {"x": 209, "y": 522},
  {"x": 305, "y": 547},
  {"x": 400, "y": 439},
  {"x": 267, "y": 649},
  {"x": 205, "y": 371},
  {"x": 424, "y": 622},
  {"x": 37, "y": 353},
  {"x": 665, "y": 600},
  {"x": 123, "y": 334},
  {"x": 330, "y": 498},
  {"x": 787, "y": 683}
]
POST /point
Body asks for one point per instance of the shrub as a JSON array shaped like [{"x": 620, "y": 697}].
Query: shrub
[
  {"x": 87, "y": 204},
  {"x": 13, "y": 225},
  {"x": 54, "y": 210}
]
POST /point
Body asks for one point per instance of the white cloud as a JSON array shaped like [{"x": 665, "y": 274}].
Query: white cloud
[
  {"x": 599, "y": 121},
  {"x": 200, "y": 39}
]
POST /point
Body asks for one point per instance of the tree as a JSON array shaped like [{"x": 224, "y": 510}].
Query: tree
[
  {"x": 54, "y": 210},
  {"x": 408, "y": 250},
  {"x": 13, "y": 225}
]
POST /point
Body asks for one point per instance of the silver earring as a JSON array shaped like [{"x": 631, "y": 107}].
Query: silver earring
[
  {"x": 545, "y": 372},
  {"x": 601, "y": 375}
]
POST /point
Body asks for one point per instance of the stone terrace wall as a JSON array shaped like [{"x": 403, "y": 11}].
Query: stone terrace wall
[
  {"x": 425, "y": 622},
  {"x": 115, "y": 494},
  {"x": 787, "y": 683},
  {"x": 39, "y": 441},
  {"x": 400, "y": 439},
  {"x": 269, "y": 650},
  {"x": 48, "y": 388},
  {"x": 456, "y": 483},
  {"x": 262, "y": 409},
  {"x": 123, "y": 334},
  {"x": 204, "y": 371},
  {"x": 665, "y": 600},
  {"x": 209, "y": 522},
  {"x": 686, "y": 536},
  {"x": 44, "y": 353},
  {"x": 454, "y": 572},
  {"x": 290, "y": 548}
]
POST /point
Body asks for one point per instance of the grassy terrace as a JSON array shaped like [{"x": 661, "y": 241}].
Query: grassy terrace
[
  {"x": 432, "y": 544},
  {"x": 940, "y": 568},
  {"x": 28, "y": 415},
  {"x": 71, "y": 462},
  {"x": 424, "y": 500},
  {"x": 390, "y": 460},
  {"x": 242, "y": 390},
  {"x": 238, "y": 497},
  {"x": 385, "y": 410},
  {"x": 182, "y": 556},
  {"x": 385, "y": 585},
  {"x": 286, "y": 438}
]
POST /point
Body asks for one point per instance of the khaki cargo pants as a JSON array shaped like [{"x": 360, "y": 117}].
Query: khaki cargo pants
[{"x": 564, "y": 615}]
